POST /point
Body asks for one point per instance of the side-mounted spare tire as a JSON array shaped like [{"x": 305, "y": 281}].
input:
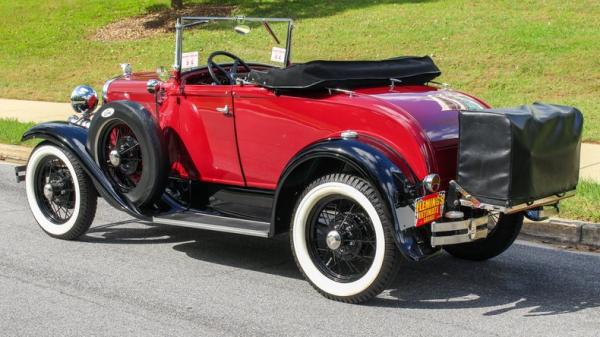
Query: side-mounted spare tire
[{"x": 125, "y": 140}]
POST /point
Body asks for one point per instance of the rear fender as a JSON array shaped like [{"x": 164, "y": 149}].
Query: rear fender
[
  {"x": 394, "y": 185},
  {"x": 73, "y": 138}
]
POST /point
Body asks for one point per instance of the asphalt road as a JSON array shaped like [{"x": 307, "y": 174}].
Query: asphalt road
[{"x": 129, "y": 279}]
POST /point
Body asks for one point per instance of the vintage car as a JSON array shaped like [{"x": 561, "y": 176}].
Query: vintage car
[{"x": 361, "y": 162}]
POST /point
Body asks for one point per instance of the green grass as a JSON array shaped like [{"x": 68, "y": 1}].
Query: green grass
[
  {"x": 507, "y": 52},
  {"x": 11, "y": 131},
  {"x": 585, "y": 205}
]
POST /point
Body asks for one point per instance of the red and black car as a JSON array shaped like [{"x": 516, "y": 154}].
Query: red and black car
[{"x": 362, "y": 162}]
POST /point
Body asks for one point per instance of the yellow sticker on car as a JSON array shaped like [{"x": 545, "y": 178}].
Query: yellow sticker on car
[{"x": 429, "y": 208}]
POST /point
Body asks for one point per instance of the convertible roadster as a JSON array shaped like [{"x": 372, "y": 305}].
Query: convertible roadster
[{"x": 362, "y": 162}]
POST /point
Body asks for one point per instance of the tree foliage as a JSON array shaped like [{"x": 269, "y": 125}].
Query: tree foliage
[{"x": 176, "y": 4}]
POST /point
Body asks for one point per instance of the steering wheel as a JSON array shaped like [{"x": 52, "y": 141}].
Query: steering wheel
[{"x": 230, "y": 75}]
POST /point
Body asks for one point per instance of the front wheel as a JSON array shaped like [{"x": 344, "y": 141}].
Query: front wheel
[
  {"x": 60, "y": 194},
  {"x": 502, "y": 235},
  {"x": 342, "y": 240}
]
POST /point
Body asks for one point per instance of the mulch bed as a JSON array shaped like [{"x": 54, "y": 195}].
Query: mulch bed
[{"x": 155, "y": 23}]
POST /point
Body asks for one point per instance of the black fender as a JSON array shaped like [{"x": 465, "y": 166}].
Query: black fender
[
  {"x": 73, "y": 138},
  {"x": 394, "y": 185}
]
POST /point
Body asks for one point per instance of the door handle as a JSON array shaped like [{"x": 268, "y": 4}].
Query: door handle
[{"x": 225, "y": 110}]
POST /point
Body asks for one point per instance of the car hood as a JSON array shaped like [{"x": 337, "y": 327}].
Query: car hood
[{"x": 436, "y": 111}]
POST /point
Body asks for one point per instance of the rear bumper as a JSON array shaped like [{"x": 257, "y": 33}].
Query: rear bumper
[
  {"x": 456, "y": 231},
  {"x": 462, "y": 231}
]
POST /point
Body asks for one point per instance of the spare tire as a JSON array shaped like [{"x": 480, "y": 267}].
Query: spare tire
[{"x": 125, "y": 140}]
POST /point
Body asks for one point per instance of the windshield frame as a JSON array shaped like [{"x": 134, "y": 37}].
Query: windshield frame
[{"x": 189, "y": 21}]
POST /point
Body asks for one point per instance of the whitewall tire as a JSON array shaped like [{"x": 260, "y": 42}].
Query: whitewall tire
[
  {"x": 342, "y": 238},
  {"x": 61, "y": 196}
]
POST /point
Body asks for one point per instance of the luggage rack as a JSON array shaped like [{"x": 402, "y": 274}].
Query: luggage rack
[{"x": 469, "y": 200}]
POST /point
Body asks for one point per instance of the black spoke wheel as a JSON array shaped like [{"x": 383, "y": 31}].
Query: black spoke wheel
[
  {"x": 121, "y": 156},
  {"x": 54, "y": 189},
  {"x": 61, "y": 196},
  {"x": 341, "y": 238}
]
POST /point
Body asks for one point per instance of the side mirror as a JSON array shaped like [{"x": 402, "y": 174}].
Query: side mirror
[{"x": 242, "y": 29}]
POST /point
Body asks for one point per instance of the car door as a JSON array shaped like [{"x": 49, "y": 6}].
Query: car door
[{"x": 207, "y": 130}]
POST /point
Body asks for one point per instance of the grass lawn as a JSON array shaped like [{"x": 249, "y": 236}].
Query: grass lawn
[
  {"x": 585, "y": 205},
  {"x": 507, "y": 52},
  {"x": 11, "y": 131}
]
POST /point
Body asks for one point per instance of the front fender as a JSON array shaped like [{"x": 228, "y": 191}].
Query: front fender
[
  {"x": 393, "y": 185},
  {"x": 73, "y": 138}
]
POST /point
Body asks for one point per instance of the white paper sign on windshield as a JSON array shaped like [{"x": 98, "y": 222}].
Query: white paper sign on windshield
[
  {"x": 189, "y": 60},
  {"x": 278, "y": 54}
]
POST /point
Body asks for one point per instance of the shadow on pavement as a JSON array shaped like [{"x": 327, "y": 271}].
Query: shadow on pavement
[{"x": 537, "y": 280}]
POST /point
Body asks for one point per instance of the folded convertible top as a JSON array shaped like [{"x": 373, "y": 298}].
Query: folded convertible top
[{"x": 347, "y": 74}]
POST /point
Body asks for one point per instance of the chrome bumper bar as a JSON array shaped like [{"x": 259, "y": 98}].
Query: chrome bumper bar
[{"x": 451, "y": 233}]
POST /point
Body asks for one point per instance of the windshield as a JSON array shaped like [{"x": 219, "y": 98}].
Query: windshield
[{"x": 254, "y": 40}]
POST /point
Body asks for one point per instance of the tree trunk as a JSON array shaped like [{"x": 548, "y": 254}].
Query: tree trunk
[{"x": 177, "y": 4}]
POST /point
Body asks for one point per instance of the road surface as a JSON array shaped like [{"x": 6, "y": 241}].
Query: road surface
[{"x": 125, "y": 278}]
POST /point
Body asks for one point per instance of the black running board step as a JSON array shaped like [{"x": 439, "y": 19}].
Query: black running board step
[{"x": 215, "y": 223}]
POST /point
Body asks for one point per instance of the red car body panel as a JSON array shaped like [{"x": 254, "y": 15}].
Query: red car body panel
[{"x": 265, "y": 130}]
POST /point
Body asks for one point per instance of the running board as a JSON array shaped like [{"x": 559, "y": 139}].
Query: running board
[{"x": 215, "y": 223}]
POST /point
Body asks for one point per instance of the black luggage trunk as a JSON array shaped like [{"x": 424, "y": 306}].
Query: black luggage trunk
[{"x": 516, "y": 155}]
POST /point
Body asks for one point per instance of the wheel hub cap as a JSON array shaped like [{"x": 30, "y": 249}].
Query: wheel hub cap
[
  {"x": 115, "y": 158},
  {"x": 333, "y": 240},
  {"x": 48, "y": 192}
]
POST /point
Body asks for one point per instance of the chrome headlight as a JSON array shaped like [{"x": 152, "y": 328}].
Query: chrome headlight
[{"x": 84, "y": 99}]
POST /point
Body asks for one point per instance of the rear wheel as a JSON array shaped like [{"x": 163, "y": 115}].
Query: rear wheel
[
  {"x": 501, "y": 236},
  {"x": 342, "y": 239},
  {"x": 60, "y": 194}
]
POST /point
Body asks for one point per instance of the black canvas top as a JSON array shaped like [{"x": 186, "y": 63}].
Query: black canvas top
[{"x": 347, "y": 74}]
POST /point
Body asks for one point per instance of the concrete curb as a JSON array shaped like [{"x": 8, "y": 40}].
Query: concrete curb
[
  {"x": 14, "y": 153},
  {"x": 556, "y": 230},
  {"x": 564, "y": 231}
]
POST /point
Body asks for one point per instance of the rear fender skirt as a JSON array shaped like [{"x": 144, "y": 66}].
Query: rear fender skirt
[
  {"x": 73, "y": 138},
  {"x": 387, "y": 177}
]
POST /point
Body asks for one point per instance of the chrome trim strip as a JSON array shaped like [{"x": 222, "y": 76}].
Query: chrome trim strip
[
  {"x": 343, "y": 91},
  {"x": 458, "y": 225},
  {"x": 105, "y": 89},
  {"x": 456, "y": 239},
  {"x": 476, "y": 228},
  {"x": 215, "y": 223}
]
